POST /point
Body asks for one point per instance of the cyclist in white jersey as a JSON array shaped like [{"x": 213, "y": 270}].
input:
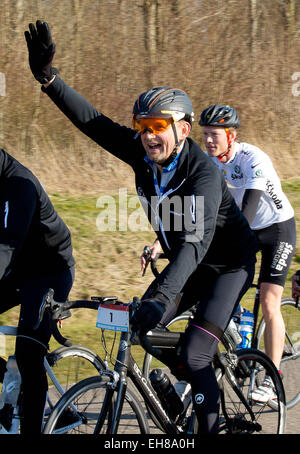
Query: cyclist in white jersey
[{"x": 256, "y": 187}]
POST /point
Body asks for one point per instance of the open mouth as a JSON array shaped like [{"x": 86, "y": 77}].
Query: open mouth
[{"x": 154, "y": 147}]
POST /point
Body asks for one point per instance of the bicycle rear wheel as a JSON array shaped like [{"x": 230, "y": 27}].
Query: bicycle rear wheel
[
  {"x": 78, "y": 410},
  {"x": 240, "y": 413},
  {"x": 290, "y": 362}
]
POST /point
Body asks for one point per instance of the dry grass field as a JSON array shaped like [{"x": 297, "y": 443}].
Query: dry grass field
[{"x": 108, "y": 263}]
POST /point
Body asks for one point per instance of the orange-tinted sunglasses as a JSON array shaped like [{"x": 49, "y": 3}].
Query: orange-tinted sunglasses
[{"x": 154, "y": 125}]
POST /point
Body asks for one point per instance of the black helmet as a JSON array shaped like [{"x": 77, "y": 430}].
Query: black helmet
[
  {"x": 219, "y": 115},
  {"x": 164, "y": 101}
]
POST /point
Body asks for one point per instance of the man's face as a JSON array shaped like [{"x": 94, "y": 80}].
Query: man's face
[
  {"x": 159, "y": 146},
  {"x": 215, "y": 140}
]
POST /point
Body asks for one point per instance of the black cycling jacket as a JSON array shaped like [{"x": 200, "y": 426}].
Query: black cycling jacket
[
  {"x": 213, "y": 230},
  {"x": 33, "y": 238}
]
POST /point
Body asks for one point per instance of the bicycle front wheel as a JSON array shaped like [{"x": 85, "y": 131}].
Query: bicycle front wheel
[
  {"x": 77, "y": 412},
  {"x": 241, "y": 413},
  {"x": 66, "y": 366},
  {"x": 290, "y": 362}
]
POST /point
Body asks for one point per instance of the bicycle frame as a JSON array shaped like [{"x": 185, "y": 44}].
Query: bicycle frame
[
  {"x": 255, "y": 312},
  {"x": 127, "y": 367}
]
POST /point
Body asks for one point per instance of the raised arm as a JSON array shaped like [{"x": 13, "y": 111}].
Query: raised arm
[{"x": 119, "y": 140}]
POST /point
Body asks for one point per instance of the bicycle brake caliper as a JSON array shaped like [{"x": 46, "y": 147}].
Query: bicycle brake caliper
[{"x": 115, "y": 377}]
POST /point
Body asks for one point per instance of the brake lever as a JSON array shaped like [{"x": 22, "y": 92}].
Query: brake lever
[
  {"x": 46, "y": 303},
  {"x": 147, "y": 255}
]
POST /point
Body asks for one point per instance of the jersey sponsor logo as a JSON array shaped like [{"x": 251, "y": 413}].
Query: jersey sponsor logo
[
  {"x": 199, "y": 398},
  {"x": 237, "y": 175},
  {"x": 258, "y": 174},
  {"x": 276, "y": 274},
  {"x": 140, "y": 192},
  {"x": 255, "y": 165},
  {"x": 273, "y": 195},
  {"x": 282, "y": 255}
]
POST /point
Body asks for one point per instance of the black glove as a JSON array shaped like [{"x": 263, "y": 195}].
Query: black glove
[
  {"x": 41, "y": 51},
  {"x": 149, "y": 314}
]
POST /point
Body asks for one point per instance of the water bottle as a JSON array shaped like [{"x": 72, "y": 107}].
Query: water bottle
[
  {"x": 246, "y": 329},
  {"x": 169, "y": 398},
  {"x": 11, "y": 383}
]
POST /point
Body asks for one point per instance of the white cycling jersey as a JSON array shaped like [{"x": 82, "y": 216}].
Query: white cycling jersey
[{"x": 251, "y": 168}]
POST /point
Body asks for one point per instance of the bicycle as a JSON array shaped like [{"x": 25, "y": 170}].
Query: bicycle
[
  {"x": 79, "y": 361},
  {"x": 104, "y": 404},
  {"x": 290, "y": 362}
]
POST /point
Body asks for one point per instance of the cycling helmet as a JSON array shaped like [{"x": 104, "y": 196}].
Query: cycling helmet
[
  {"x": 164, "y": 101},
  {"x": 219, "y": 115}
]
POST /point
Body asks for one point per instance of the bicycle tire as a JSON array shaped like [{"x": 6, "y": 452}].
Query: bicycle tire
[
  {"x": 132, "y": 419},
  {"x": 71, "y": 365},
  {"x": 290, "y": 363},
  {"x": 236, "y": 417}
]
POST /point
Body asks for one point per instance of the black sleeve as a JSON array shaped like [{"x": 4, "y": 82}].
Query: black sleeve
[
  {"x": 203, "y": 198},
  {"x": 250, "y": 203},
  {"x": 17, "y": 206},
  {"x": 119, "y": 140}
]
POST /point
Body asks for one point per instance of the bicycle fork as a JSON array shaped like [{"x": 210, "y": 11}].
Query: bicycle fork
[
  {"x": 231, "y": 363},
  {"x": 114, "y": 394}
]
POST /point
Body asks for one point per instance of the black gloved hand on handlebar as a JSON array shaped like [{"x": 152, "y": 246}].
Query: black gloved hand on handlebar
[
  {"x": 150, "y": 312},
  {"x": 41, "y": 51}
]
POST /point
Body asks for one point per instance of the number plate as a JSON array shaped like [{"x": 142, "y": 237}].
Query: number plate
[{"x": 113, "y": 317}]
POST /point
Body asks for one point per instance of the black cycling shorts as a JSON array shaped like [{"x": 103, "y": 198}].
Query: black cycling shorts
[{"x": 277, "y": 245}]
